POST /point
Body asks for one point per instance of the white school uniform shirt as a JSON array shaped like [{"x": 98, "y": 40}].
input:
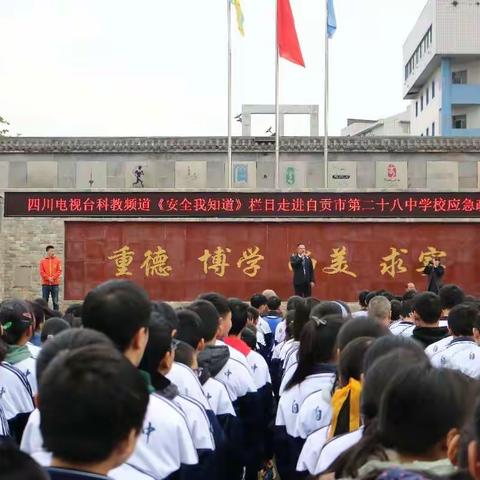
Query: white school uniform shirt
[
  {"x": 291, "y": 401},
  {"x": 307, "y": 461},
  {"x": 29, "y": 369},
  {"x": 287, "y": 376},
  {"x": 15, "y": 391},
  {"x": 218, "y": 398},
  {"x": 401, "y": 328},
  {"x": 34, "y": 350},
  {"x": 197, "y": 421},
  {"x": 237, "y": 378},
  {"x": 187, "y": 382},
  {"x": 462, "y": 354},
  {"x": 360, "y": 314},
  {"x": 316, "y": 409},
  {"x": 128, "y": 472},
  {"x": 261, "y": 374},
  {"x": 276, "y": 351},
  {"x": 261, "y": 338},
  {"x": 165, "y": 443},
  {"x": 280, "y": 332},
  {"x": 285, "y": 348},
  {"x": 334, "y": 448},
  {"x": 32, "y": 440},
  {"x": 438, "y": 346},
  {"x": 263, "y": 325},
  {"x": 235, "y": 355}
]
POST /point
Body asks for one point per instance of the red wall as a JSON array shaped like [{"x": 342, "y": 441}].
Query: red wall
[{"x": 89, "y": 244}]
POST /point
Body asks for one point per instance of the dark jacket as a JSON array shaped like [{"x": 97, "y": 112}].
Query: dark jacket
[
  {"x": 428, "y": 335},
  {"x": 435, "y": 275},
  {"x": 302, "y": 270}
]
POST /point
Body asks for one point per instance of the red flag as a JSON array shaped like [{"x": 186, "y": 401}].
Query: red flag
[{"x": 288, "y": 45}]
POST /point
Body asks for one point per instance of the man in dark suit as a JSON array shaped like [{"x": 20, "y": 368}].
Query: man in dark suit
[
  {"x": 435, "y": 271},
  {"x": 303, "y": 274}
]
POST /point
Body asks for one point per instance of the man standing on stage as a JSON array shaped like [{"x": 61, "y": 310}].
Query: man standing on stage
[
  {"x": 303, "y": 274},
  {"x": 50, "y": 271},
  {"x": 435, "y": 272}
]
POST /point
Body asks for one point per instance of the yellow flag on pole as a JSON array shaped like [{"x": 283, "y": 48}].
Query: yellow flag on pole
[{"x": 240, "y": 17}]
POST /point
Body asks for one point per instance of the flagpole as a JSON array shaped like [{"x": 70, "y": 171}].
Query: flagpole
[
  {"x": 277, "y": 105},
  {"x": 229, "y": 123},
  {"x": 325, "y": 147}
]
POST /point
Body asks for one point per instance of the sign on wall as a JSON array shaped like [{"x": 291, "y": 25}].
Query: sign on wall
[
  {"x": 442, "y": 175},
  {"x": 392, "y": 175},
  {"x": 342, "y": 175},
  {"x": 243, "y": 205},
  {"x": 180, "y": 260},
  {"x": 244, "y": 174},
  {"x": 292, "y": 175}
]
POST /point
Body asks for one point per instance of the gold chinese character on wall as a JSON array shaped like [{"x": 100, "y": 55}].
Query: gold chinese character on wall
[
  {"x": 393, "y": 264},
  {"x": 216, "y": 261},
  {"x": 250, "y": 257},
  {"x": 123, "y": 258},
  {"x": 156, "y": 263},
  {"x": 339, "y": 263}
]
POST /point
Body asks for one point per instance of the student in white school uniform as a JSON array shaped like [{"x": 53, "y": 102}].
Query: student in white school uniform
[
  {"x": 385, "y": 357},
  {"x": 225, "y": 323},
  {"x": 222, "y": 364},
  {"x": 157, "y": 362},
  {"x": 450, "y": 296},
  {"x": 462, "y": 352},
  {"x": 261, "y": 377},
  {"x": 17, "y": 322},
  {"x": 92, "y": 403},
  {"x": 316, "y": 372},
  {"x": 122, "y": 310},
  {"x": 32, "y": 440}
]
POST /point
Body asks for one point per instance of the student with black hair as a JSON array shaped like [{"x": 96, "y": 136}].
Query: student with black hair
[
  {"x": 73, "y": 315},
  {"x": 426, "y": 311},
  {"x": 157, "y": 362},
  {"x": 396, "y": 308},
  {"x": 473, "y": 448},
  {"x": 18, "y": 325},
  {"x": 450, "y": 296},
  {"x": 121, "y": 310},
  {"x": 82, "y": 448},
  {"x": 218, "y": 360},
  {"x": 32, "y": 440},
  {"x": 53, "y": 326},
  {"x": 314, "y": 377},
  {"x": 71, "y": 339},
  {"x": 461, "y": 352},
  {"x": 17, "y": 465},
  {"x": 13, "y": 401},
  {"x": 413, "y": 430},
  {"x": 292, "y": 304},
  {"x": 168, "y": 314},
  {"x": 261, "y": 377},
  {"x": 289, "y": 352},
  {"x": 318, "y": 452},
  {"x": 225, "y": 318},
  {"x": 362, "y": 302},
  {"x": 274, "y": 314},
  {"x": 215, "y": 391},
  {"x": 249, "y": 336},
  {"x": 38, "y": 318},
  {"x": 359, "y": 327},
  {"x": 260, "y": 302},
  {"x": 404, "y": 326}
]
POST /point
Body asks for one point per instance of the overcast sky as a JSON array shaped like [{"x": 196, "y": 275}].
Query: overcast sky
[{"x": 158, "y": 67}]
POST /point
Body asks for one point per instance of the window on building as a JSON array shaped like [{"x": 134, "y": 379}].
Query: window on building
[
  {"x": 421, "y": 103},
  {"x": 426, "y": 96},
  {"x": 433, "y": 88},
  {"x": 433, "y": 129},
  {"x": 427, "y": 132},
  {"x": 459, "y": 121},
  {"x": 416, "y": 108},
  {"x": 460, "y": 77}
]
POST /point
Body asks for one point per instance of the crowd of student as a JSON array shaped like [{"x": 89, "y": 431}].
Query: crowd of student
[{"x": 127, "y": 388}]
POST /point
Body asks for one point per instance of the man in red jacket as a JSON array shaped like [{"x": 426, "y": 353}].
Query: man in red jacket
[{"x": 50, "y": 271}]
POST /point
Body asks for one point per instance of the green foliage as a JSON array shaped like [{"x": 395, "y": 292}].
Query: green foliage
[{"x": 3, "y": 131}]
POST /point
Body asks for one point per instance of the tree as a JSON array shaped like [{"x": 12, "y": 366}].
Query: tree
[{"x": 3, "y": 131}]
